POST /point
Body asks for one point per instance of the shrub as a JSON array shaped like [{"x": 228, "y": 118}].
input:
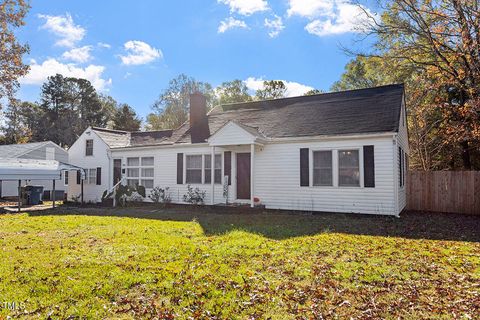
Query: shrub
[
  {"x": 135, "y": 197},
  {"x": 159, "y": 195},
  {"x": 194, "y": 196},
  {"x": 126, "y": 193}
]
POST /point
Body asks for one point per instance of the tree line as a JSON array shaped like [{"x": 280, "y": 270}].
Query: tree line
[
  {"x": 68, "y": 106},
  {"x": 433, "y": 47}
]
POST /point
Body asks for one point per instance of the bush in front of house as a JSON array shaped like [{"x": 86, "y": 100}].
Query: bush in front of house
[
  {"x": 125, "y": 193},
  {"x": 194, "y": 196},
  {"x": 159, "y": 195}
]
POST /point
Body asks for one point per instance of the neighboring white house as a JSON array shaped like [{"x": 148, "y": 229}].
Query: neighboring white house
[
  {"x": 46, "y": 150},
  {"x": 335, "y": 152}
]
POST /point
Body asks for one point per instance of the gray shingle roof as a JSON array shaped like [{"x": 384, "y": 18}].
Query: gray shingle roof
[
  {"x": 17, "y": 150},
  {"x": 372, "y": 110},
  {"x": 119, "y": 138},
  {"x": 113, "y": 138}
]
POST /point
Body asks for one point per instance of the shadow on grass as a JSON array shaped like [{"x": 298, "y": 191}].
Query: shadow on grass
[{"x": 283, "y": 225}]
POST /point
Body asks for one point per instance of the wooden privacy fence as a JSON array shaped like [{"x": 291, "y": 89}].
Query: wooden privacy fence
[{"x": 444, "y": 191}]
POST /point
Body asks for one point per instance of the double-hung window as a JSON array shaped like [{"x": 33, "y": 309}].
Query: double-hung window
[
  {"x": 198, "y": 168},
  {"x": 140, "y": 171},
  {"x": 92, "y": 176},
  {"x": 193, "y": 168},
  {"x": 89, "y": 147},
  {"x": 208, "y": 166},
  {"x": 147, "y": 172},
  {"x": 348, "y": 168},
  {"x": 322, "y": 168}
]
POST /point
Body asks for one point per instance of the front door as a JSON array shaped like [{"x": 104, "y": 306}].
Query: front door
[
  {"x": 117, "y": 170},
  {"x": 243, "y": 175}
]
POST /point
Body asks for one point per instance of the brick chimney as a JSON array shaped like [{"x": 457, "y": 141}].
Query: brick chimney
[{"x": 199, "y": 130}]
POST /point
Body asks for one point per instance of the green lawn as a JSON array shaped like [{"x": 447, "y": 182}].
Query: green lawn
[{"x": 104, "y": 264}]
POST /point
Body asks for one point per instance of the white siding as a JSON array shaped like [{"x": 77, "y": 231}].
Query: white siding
[
  {"x": 165, "y": 174},
  {"x": 277, "y": 180},
  {"x": 402, "y": 141},
  {"x": 100, "y": 158},
  {"x": 277, "y": 176},
  {"x": 231, "y": 134}
]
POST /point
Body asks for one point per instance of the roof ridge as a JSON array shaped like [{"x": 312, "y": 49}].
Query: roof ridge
[
  {"x": 147, "y": 131},
  {"x": 26, "y": 143},
  {"x": 234, "y": 104},
  {"x": 109, "y": 130}
]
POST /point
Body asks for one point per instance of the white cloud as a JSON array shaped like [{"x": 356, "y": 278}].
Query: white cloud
[
  {"x": 310, "y": 8},
  {"x": 64, "y": 28},
  {"x": 231, "y": 23},
  {"x": 275, "y": 25},
  {"x": 246, "y": 7},
  {"x": 39, "y": 72},
  {"x": 139, "y": 52},
  {"x": 293, "y": 88},
  {"x": 104, "y": 45},
  {"x": 329, "y": 17},
  {"x": 81, "y": 54}
]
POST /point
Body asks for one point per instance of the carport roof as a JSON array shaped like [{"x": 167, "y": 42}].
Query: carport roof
[{"x": 31, "y": 169}]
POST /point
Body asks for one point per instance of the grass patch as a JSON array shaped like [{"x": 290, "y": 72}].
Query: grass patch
[{"x": 231, "y": 266}]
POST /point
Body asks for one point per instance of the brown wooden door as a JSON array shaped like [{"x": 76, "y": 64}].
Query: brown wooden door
[
  {"x": 243, "y": 175},
  {"x": 117, "y": 170}
]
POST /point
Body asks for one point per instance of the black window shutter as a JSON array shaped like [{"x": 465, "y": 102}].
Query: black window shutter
[
  {"x": 99, "y": 176},
  {"x": 304, "y": 168},
  {"x": 179, "y": 168},
  {"x": 227, "y": 165},
  {"x": 78, "y": 176},
  {"x": 368, "y": 167}
]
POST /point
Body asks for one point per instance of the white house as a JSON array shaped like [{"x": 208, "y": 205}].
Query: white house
[
  {"x": 46, "y": 150},
  {"x": 335, "y": 152}
]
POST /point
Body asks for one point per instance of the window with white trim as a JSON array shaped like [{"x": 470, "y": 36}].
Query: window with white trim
[
  {"x": 322, "y": 168},
  {"x": 348, "y": 168},
  {"x": 208, "y": 171},
  {"x": 92, "y": 176},
  {"x": 140, "y": 171},
  {"x": 89, "y": 147},
  {"x": 65, "y": 178},
  {"x": 193, "y": 168}
]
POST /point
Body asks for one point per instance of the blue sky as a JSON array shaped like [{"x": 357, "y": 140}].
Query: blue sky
[{"x": 131, "y": 49}]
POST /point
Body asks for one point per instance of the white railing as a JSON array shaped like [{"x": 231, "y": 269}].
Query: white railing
[{"x": 114, "y": 189}]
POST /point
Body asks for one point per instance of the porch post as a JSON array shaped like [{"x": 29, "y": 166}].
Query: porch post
[
  {"x": 252, "y": 174},
  {"x": 53, "y": 194},
  {"x": 212, "y": 175},
  {"x": 81, "y": 190},
  {"x": 19, "y": 194}
]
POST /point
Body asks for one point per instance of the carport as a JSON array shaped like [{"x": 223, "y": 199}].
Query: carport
[{"x": 14, "y": 169}]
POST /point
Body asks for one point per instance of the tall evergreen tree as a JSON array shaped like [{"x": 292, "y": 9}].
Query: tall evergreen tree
[
  {"x": 21, "y": 121},
  {"x": 126, "y": 119},
  {"x": 69, "y": 105}
]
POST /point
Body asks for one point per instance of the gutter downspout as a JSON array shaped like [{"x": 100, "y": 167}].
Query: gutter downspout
[{"x": 395, "y": 173}]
